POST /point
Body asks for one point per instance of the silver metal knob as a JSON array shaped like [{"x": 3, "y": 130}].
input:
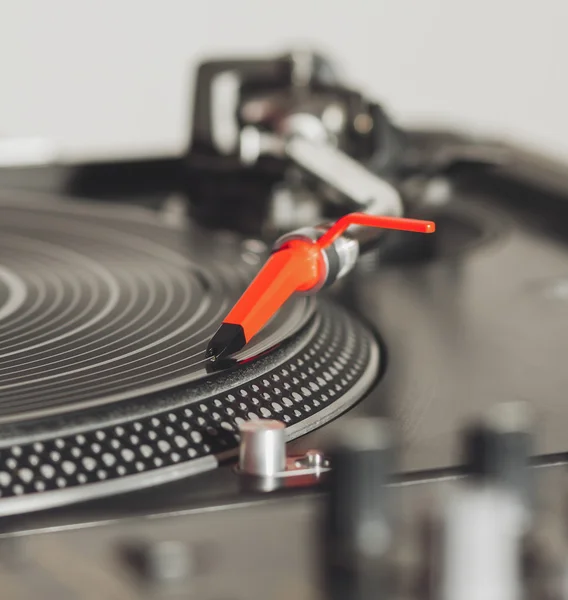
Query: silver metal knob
[{"x": 263, "y": 447}]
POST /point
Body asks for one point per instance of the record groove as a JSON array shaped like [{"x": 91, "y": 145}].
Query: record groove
[{"x": 93, "y": 311}]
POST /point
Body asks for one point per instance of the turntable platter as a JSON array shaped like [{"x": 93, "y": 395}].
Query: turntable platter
[{"x": 105, "y": 316}]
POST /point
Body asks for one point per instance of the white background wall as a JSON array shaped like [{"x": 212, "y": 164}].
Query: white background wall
[{"x": 111, "y": 77}]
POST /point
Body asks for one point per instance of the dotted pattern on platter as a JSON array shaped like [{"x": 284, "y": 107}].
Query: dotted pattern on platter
[{"x": 321, "y": 374}]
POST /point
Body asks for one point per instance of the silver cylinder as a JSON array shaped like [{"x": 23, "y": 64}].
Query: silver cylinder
[{"x": 262, "y": 450}]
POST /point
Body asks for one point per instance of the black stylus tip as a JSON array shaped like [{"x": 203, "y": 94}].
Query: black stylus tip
[{"x": 230, "y": 338}]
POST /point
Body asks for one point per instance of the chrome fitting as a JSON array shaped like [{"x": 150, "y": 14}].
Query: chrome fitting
[{"x": 339, "y": 258}]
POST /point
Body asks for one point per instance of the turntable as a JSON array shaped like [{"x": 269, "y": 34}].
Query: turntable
[
  {"x": 106, "y": 320},
  {"x": 183, "y": 337}
]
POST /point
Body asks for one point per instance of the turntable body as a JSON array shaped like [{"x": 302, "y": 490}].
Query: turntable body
[{"x": 117, "y": 433}]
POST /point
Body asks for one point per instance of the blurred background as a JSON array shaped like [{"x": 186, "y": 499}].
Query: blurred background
[{"x": 113, "y": 77}]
